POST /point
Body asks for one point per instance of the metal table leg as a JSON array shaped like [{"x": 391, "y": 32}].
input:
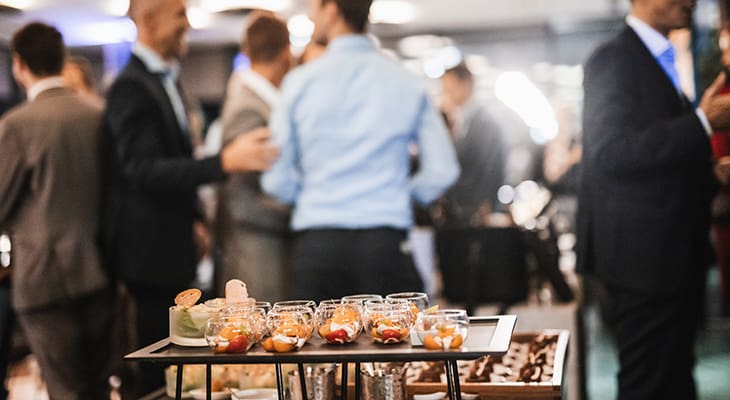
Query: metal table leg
[
  {"x": 343, "y": 383},
  {"x": 208, "y": 375},
  {"x": 455, "y": 377},
  {"x": 449, "y": 381},
  {"x": 357, "y": 381},
  {"x": 279, "y": 382},
  {"x": 178, "y": 382},
  {"x": 302, "y": 381}
]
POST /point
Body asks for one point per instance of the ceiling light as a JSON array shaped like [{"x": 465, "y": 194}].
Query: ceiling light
[
  {"x": 517, "y": 92},
  {"x": 391, "y": 12},
  {"x": 300, "y": 30},
  {"x": 117, "y": 7},
  {"x": 226, "y": 5},
  {"x": 99, "y": 33},
  {"x": 199, "y": 17},
  {"x": 18, "y": 4}
]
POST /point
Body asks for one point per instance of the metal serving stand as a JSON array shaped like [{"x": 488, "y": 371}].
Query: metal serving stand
[{"x": 487, "y": 336}]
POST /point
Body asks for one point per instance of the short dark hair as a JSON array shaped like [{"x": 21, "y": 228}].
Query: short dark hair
[
  {"x": 40, "y": 47},
  {"x": 355, "y": 12},
  {"x": 265, "y": 37},
  {"x": 461, "y": 71}
]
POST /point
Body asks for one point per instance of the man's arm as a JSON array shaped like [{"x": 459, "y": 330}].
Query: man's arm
[
  {"x": 616, "y": 139},
  {"x": 13, "y": 175},
  {"x": 283, "y": 180},
  {"x": 134, "y": 125},
  {"x": 438, "y": 166}
]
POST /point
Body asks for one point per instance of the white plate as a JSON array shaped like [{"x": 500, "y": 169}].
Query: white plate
[
  {"x": 257, "y": 394},
  {"x": 442, "y": 395},
  {"x": 199, "y": 394}
]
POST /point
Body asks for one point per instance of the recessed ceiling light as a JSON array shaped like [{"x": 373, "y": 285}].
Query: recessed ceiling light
[
  {"x": 199, "y": 17},
  {"x": 18, "y": 4},
  {"x": 391, "y": 12},
  {"x": 227, "y": 5},
  {"x": 117, "y": 7}
]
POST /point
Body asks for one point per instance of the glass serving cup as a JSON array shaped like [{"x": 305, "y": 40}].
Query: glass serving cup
[
  {"x": 187, "y": 324},
  {"x": 330, "y": 301},
  {"x": 388, "y": 322},
  {"x": 232, "y": 333},
  {"x": 306, "y": 311},
  {"x": 361, "y": 298},
  {"x": 443, "y": 330},
  {"x": 288, "y": 331},
  {"x": 419, "y": 301},
  {"x": 289, "y": 303},
  {"x": 243, "y": 307},
  {"x": 264, "y": 305},
  {"x": 338, "y": 323}
]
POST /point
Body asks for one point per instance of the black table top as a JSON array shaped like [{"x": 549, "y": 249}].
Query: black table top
[{"x": 487, "y": 336}]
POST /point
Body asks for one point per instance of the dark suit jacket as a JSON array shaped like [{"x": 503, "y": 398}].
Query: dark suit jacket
[
  {"x": 481, "y": 158},
  {"x": 50, "y": 190},
  {"x": 646, "y": 184},
  {"x": 151, "y": 200}
]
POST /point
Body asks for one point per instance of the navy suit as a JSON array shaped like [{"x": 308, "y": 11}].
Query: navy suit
[
  {"x": 151, "y": 198},
  {"x": 644, "y": 214}
]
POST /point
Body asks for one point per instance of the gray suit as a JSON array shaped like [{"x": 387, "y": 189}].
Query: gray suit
[
  {"x": 50, "y": 177},
  {"x": 252, "y": 228}
]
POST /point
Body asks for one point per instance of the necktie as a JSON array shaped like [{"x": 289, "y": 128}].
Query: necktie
[
  {"x": 178, "y": 106},
  {"x": 666, "y": 60}
]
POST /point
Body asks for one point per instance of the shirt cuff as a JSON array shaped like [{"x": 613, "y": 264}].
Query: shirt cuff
[{"x": 703, "y": 119}]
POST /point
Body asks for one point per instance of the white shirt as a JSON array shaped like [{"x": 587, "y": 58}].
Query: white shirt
[
  {"x": 169, "y": 71},
  {"x": 259, "y": 85},
  {"x": 43, "y": 85},
  {"x": 658, "y": 44}
]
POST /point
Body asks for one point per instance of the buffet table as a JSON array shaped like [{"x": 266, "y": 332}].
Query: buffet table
[{"x": 487, "y": 336}]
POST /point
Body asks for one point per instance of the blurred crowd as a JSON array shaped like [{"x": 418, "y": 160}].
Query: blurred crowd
[{"x": 317, "y": 168}]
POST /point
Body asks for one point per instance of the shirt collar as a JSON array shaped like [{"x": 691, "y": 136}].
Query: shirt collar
[
  {"x": 351, "y": 42},
  {"x": 154, "y": 62},
  {"x": 652, "y": 39},
  {"x": 43, "y": 85},
  {"x": 260, "y": 85}
]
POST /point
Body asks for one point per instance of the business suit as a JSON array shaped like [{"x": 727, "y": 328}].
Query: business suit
[
  {"x": 151, "y": 201},
  {"x": 50, "y": 178},
  {"x": 252, "y": 229},
  {"x": 644, "y": 214}
]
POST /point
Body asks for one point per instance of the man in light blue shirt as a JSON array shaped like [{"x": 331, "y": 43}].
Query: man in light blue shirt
[{"x": 344, "y": 124}]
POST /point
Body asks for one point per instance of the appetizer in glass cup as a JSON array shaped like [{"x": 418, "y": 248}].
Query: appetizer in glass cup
[
  {"x": 388, "y": 322},
  {"x": 287, "y": 331},
  {"x": 339, "y": 323},
  {"x": 443, "y": 330}
]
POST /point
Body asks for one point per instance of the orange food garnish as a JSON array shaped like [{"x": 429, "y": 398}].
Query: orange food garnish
[
  {"x": 229, "y": 333},
  {"x": 188, "y": 298},
  {"x": 444, "y": 331},
  {"x": 430, "y": 343},
  {"x": 268, "y": 344},
  {"x": 282, "y": 347},
  {"x": 456, "y": 342}
]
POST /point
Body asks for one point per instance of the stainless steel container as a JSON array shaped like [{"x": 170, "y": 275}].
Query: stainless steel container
[
  {"x": 320, "y": 381},
  {"x": 383, "y": 382}
]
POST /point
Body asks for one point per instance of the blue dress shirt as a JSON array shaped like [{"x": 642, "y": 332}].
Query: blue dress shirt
[{"x": 344, "y": 126}]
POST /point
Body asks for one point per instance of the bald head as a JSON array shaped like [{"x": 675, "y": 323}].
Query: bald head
[
  {"x": 161, "y": 25},
  {"x": 137, "y": 8}
]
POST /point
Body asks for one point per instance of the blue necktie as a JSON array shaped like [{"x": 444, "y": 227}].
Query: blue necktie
[{"x": 666, "y": 60}]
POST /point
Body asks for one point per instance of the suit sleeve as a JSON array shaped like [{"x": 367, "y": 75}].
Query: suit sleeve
[
  {"x": 136, "y": 128},
  {"x": 13, "y": 174},
  {"x": 617, "y": 138}
]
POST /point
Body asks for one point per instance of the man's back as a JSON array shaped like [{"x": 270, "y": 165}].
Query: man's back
[
  {"x": 352, "y": 115},
  {"x": 56, "y": 140}
]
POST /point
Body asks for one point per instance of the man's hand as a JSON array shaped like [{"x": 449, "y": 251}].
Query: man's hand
[
  {"x": 249, "y": 152},
  {"x": 722, "y": 170},
  {"x": 716, "y": 107}
]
